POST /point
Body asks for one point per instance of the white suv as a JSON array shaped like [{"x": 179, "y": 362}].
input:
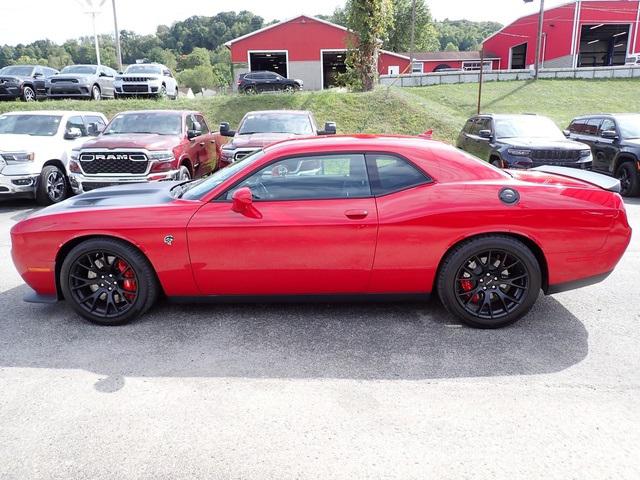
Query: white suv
[
  {"x": 148, "y": 79},
  {"x": 34, "y": 150}
]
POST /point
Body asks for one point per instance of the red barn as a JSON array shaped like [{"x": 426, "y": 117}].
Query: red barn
[{"x": 582, "y": 33}]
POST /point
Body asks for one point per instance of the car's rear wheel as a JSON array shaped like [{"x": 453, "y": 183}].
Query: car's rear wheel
[
  {"x": 289, "y": 88},
  {"x": 52, "y": 186},
  {"x": 108, "y": 282},
  {"x": 496, "y": 162},
  {"x": 251, "y": 91},
  {"x": 28, "y": 94},
  {"x": 96, "y": 94},
  {"x": 629, "y": 180},
  {"x": 489, "y": 282}
]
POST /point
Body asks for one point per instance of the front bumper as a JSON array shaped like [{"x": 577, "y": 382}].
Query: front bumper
[
  {"x": 516, "y": 162},
  {"x": 130, "y": 88},
  {"x": 83, "y": 183},
  {"x": 18, "y": 185},
  {"x": 10, "y": 91},
  {"x": 68, "y": 90}
]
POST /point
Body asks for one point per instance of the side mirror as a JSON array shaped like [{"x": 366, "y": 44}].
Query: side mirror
[
  {"x": 486, "y": 134},
  {"x": 226, "y": 131},
  {"x": 329, "y": 129},
  {"x": 73, "y": 133},
  {"x": 242, "y": 199},
  {"x": 566, "y": 133},
  {"x": 609, "y": 134},
  {"x": 191, "y": 134},
  {"x": 94, "y": 129},
  {"x": 38, "y": 75}
]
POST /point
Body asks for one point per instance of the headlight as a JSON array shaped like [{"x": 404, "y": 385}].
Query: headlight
[
  {"x": 585, "y": 153},
  {"x": 162, "y": 156},
  {"x": 519, "y": 152},
  {"x": 18, "y": 157},
  {"x": 75, "y": 155}
]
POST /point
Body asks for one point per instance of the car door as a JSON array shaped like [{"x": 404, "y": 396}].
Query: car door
[
  {"x": 105, "y": 80},
  {"x": 39, "y": 82},
  {"x": 463, "y": 138},
  {"x": 197, "y": 147},
  {"x": 209, "y": 157},
  {"x": 483, "y": 144},
  {"x": 311, "y": 230},
  {"x": 605, "y": 149}
]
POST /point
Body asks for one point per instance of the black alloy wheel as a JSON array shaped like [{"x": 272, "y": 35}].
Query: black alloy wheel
[
  {"x": 629, "y": 180},
  {"x": 108, "y": 282},
  {"x": 28, "y": 94},
  {"x": 490, "y": 282},
  {"x": 52, "y": 186}
]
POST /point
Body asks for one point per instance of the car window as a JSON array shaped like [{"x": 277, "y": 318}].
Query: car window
[
  {"x": 483, "y": 124},
  {"x": 309, "y": 178},
  {"x": 475, "y": 127},
  {"x": 607, "y": 124},
  {"x": 577, "y": 126},
  {"x": 389, "y": 174},
  {"x": 190, "y": 123},
  {"x": 468, "y": 126},
  {"x": 276, "y": 122},
  {"x": 29, "y": 124},
  {"x": 592, "y": 126},
  {"x": 100, "y": 123},
  {"x": 50, "y": 72},
  {"x": 76, "y": 122},
  {"x": 203, "y": 124}
]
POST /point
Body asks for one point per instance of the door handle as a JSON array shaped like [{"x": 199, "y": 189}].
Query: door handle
[
  {"x": 201, "y": 144},
  {"x": 356, "y": 214}
]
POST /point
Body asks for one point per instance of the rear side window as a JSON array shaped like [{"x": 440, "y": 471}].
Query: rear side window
[
  {"x": 389, "y": 174},
  {"x": 577, "y": 126},
  {"x": 592, "y": 126},
  {"x": 468, "y": 126},
  {"x": 607, "y": 124},
  {"x": 203, "y": 124}
]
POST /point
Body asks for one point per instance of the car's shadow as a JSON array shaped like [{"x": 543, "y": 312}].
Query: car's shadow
[
  {"x": 632, "y": 200},
  {"x": 21, "y": 208},
  {"x": 352, "y": 341}
]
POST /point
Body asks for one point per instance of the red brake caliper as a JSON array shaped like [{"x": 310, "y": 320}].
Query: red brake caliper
[
  {"x": 129, "y": 283},
  {"x": 467, "y": 286}
]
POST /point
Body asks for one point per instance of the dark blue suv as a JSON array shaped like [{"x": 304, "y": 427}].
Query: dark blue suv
[{"x": 521, "y": 141}]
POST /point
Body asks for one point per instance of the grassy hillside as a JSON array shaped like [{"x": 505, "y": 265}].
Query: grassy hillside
[{"x": 407, "y": 111}]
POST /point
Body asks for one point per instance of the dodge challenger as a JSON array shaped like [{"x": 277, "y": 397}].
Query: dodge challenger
[{"x": 346, "y": 217}]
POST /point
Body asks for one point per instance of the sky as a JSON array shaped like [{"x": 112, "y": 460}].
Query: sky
[{"x": 59, "y": 20}]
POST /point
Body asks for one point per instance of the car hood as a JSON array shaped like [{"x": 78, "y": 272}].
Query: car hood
[
  {"x": 633, "y": 142},
  {"x": 260, "y": 139},
  {"x": 146, "y": 141},
  {"x": 13, "y": 77},
  {"x": 543, "y": 143},
  {"x": 72, "y": 76},
  {"x": 131, "y": 196},
  {"x": 17, "y": 143}
]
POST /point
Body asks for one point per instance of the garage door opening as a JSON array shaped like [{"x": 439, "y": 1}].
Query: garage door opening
[
  {"x": 603, "y": 45},
  {"x": 519, "y": 57},
  {"x": 269, "y": 61},
  {"x": 333, "y": 63}
]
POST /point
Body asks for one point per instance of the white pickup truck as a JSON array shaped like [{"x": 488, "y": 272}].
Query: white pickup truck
[{"x": 34, "y": 148}]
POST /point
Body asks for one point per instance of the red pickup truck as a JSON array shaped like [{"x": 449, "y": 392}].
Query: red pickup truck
[{"x": 145, "y": 146}]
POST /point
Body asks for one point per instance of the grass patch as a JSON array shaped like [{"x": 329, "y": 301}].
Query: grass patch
[{"x": 410, "y": 111}]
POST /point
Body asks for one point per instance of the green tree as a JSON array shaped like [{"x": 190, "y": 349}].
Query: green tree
[
  {"x": 451, "y": 47},
  {"x": 197, "y": 78},
  {"x": 199, "y": 57},
  {"x": 370, "y": 21},
  {"x": 399, "y": 36}
]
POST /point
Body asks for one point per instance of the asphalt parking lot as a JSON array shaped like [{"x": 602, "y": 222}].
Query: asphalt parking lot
[{"x": 322, "y": 391}]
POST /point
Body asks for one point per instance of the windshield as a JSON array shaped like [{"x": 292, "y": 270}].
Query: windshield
[
  {"x": 160, "y": 123},
  {"x": 197, "y": 189},
  {"x": 36, "y": 125},
  {"x": 629, "y": 126},
  {"x": 21, "y": 71},
  {"x": 292, "y": 123},
  {"x": 527, "y": 126},
  {"x": 155, "y": 69},
  {"x": 82, "y": 69}
]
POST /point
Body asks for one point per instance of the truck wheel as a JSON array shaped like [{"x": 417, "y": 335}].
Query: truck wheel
[
  {"x": 96, "y": 94},
  {"x": 629, "y": 180},
  {"x": 52, "y": 186},
  {"x": 28, "y": 94},
  {"x": 184, "y": 175},
  {"x": 162, "y": 93}
]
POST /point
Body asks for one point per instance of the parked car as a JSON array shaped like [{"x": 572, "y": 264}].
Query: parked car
[
  {"x": 260, "y": 128},
  {"x": 82, "y": 81},
  {"x": 264, "y": 81},
  {"x": 615, "y": 142},
  {"x": 359, "y": 216},
  {"x": 145, "y": 146},
  {"x": 146, "y": 79},
  {"x": 26, "y": 82},
  {"x": 34, "y": 149},
  {"x": 633, "y": 60},
  {"x": 521, "y": 141}
]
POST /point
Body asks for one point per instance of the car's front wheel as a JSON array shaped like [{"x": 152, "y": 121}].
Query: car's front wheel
[
  {"x": 28, "y": 94},
  {"x": 96, "y": 94},
  {"x": 108, "y": 281},
  {"x": 629, "y": 180},
  {"x": 489, "y": 282},
  {"x": 52, "y": 186}
]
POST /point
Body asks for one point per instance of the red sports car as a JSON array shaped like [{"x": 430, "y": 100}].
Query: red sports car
[{"x": 337, "y": 217}]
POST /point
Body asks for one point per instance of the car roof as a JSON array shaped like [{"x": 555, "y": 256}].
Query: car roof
[
  {"x": 276, "y": 112},
  {"x": 613, "y": 115},
  {"x": 508, "y": 115},
  {"x": 181, "y": 112},
  {"x": 53, "y": 112}
]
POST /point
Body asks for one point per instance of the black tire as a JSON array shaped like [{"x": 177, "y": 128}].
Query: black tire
[
  {"x": 53, "y": 186},
  {"x": 184, "y": 174},
  {"x": 498, "y": 259},
  {"x": 28, "y": 94},
  {"x": 629, "y": 180},
  {"x": 96, "y": 93},
  {"x": 496, "y": 162},
  {"x": 289, "y": 89},
  {"x": 162, "y": 93},
  {"x": 94, "y": 281},
  {"x": 251, "y": 91}
]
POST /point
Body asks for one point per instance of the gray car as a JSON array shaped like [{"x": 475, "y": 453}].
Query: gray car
[{"x": 82, "y": 81}]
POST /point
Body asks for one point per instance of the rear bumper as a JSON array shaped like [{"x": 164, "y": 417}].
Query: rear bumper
[
  {"x": 18, "y": 185},
  {"x": 572, "y": 285},
  {"x": 82, "y": 183}
]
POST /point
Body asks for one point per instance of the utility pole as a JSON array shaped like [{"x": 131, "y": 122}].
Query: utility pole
[
  {"x": 413, "y": 35},
  {"x": 117, "y": 36},
  {"x": 481, "y": 78},
  {"x": 539, "y": 39},
  {"x": 94, "y": 10}
]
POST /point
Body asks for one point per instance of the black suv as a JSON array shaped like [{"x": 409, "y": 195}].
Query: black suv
[
  {"x": 615, "y": 141},
  {"x": 255, "y": 82},
  {"x": 521, "y": 141},
  {"x": 24, "y": 81}
]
